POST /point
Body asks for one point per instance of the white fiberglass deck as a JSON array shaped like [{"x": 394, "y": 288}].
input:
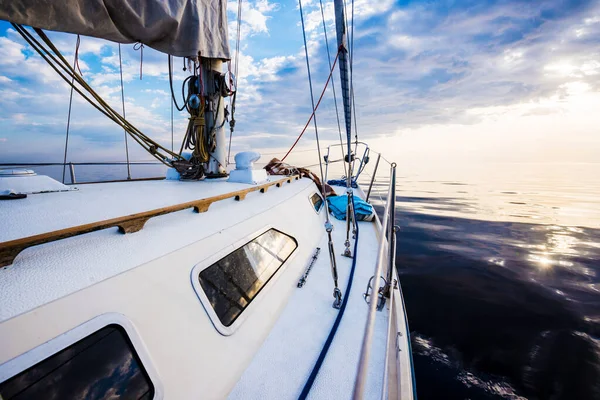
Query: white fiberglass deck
[
  {"x": 45, "y": 212},
  {"x": 282, "y": 365},
  {"x": 146, "y": 277},
  {"x": 46, "y": 272}
]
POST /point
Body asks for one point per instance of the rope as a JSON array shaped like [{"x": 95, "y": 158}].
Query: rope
[
  {"x": 77, "y": 43},
  {"x": 140, "y": 46},
  {"x": 336, "y": 323},
  {"x": 58, "y": 63},
  {"x": 123, "y": 102},
  {"x": 185, "y": 98},
  {"x": 314, "y": 110},
  {"x": 337, "y": 114},
  {"x": 77, "y": 55}
]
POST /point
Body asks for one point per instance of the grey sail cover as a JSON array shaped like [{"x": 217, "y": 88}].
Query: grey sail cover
[{"x": 177, "y": 27}]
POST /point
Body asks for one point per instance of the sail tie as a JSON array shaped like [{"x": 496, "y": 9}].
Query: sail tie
[
  {"x": 140, "y": 46},
  {"x": 77, "y": 43}
]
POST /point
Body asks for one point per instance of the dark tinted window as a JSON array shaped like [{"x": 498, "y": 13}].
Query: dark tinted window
[
  {"x": 317, "y": 201},
  {"x": 100, "y": 366},
  {"x": 232, "y": 282}
]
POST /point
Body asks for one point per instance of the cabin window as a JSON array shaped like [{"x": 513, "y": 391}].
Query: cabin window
[
  {"x": 234, "y": 281},
  {"x": 100, "y": 366},
  {"x": 317, "y": 201}
]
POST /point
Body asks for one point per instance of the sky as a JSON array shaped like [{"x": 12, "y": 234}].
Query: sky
[{"x": 435, "y": 82}]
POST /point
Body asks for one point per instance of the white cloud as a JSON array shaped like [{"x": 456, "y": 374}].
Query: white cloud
[
  {"x": 12, "y": 52},
  {"x": 565, "y": 68},
  {"x": 254, "y": 18},
  {"x": 413, "y": 68}
]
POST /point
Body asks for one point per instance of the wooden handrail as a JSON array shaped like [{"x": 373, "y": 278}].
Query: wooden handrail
[{"x": 126, "y": 224}]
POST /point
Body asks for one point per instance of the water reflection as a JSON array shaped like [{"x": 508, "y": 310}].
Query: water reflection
[{"x": 502, "y": 285}]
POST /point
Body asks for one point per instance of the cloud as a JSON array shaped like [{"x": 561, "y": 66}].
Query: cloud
[
  {"x": 254, "y": 17},
  {"x": 415, "y": 65}
]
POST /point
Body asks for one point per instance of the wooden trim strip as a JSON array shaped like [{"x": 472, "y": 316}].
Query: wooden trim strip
[
  {"x": 155, "y": 178},
  {"x": 126, "y": 224}
]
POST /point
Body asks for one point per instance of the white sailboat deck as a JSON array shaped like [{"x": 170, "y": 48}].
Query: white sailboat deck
[
  {"x": 282, "y": 365},
  {"x": 183, "y": 290},
  {"x": 143, "y": 280},
  {"x": 43, "y": 273},
  {"x": 45, "y": 212}
]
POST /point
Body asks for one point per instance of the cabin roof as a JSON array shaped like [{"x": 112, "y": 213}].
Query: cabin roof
[
  {"x": 48, "y": 271},
  {"x": 46, "y": 212}
]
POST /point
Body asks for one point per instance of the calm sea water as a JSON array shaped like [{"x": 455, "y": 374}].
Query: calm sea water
[{"x": 500, "y": 269}]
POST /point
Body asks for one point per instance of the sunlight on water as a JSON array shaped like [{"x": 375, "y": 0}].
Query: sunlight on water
[{"x": 500, "y": 268}]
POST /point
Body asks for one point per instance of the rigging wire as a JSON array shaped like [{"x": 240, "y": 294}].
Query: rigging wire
[
  {"x": 312, "y": 115},
  {"x": 312, "y": 98},
  {"x": 123, "y": 102},
  {"x": 337, "y": 114},
  {"x": 58, "y": 63},
  {"x": 352, "y": 100},
  {"x": 336, "y": 323},
  {"x": 233, "y": 97},
  {"x": 171, "y": 101},
  {"x": 75, "y": 56},
  {"x": 237, "y": 44},
  {"x": 337, "y": 294}
]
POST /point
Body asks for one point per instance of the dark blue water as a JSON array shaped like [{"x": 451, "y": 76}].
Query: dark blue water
[{"x": 501, "y": 279}]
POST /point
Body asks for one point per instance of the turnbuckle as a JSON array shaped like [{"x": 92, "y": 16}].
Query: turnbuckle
[{"x": 337, "y": 295}]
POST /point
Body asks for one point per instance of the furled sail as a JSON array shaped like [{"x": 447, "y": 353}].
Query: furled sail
[{"x": 181, "y": 28}]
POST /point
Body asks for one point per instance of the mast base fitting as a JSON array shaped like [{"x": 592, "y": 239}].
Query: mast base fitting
[{"x": 337, "y": 295}]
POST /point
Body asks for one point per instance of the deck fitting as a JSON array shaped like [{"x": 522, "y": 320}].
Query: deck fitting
[{"x": 337, "y": 295}]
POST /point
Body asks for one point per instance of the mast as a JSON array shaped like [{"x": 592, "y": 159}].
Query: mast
[
  {"x": 215, "y": 116},
  {"x": 340, "y": 23},
  {"x": 195, "y": 30}
]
